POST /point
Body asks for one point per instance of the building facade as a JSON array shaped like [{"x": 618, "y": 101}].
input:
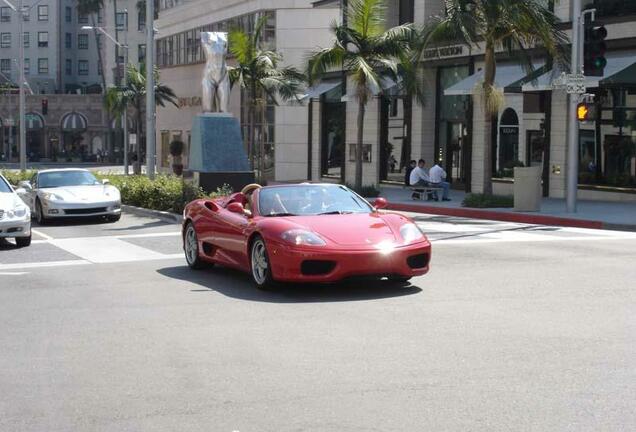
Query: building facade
[
  {"x": 63, "y": 70},
  {"x": 530, "y": 128}
]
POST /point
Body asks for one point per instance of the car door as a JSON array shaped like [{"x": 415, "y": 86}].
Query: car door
[{"x": 231, "y": 236}]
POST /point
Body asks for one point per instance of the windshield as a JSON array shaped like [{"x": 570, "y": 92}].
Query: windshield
[
  {"x": 66, "y": 178},
  {"x": 4, "y": 186},
  {"x": 306, "y": 200}
]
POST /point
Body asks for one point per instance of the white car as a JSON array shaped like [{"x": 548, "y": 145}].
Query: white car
[
  {"x": 15, "y": 216},
  {"x": 70, "y": 192}
]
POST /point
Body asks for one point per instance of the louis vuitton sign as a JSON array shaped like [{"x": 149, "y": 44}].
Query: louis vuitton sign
[{"x": 443, "y": 52}]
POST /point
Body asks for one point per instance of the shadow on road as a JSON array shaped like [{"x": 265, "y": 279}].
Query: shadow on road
[
  {"x": 74, "y": 221},
  {"x": 235, "y": 284}
]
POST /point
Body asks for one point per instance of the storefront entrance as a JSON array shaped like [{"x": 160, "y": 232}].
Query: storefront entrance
[{"x": 332, "y": 138}]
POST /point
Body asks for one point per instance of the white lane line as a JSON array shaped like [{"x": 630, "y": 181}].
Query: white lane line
[
  {"x": 123, "y": 236},
  {"x": 13, "y": 273},
  {"x": 478, "y": 240},
  {"x": 41, "y": 234},
  {"x": 43, "y": 264},
  {"x": 105, "y": 250}
]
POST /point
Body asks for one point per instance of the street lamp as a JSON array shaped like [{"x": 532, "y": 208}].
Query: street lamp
[
  {"x": 124, "y": 117},
  {"x": 22, "y": 12}
]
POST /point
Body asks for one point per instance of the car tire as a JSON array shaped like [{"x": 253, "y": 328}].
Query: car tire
[
  {"x": 39, "y": 213},
  {"x": 23, "y": 241},
  {"x": 191, "y": 248},
  {"x": 260, "y": 267},
  {"x": 114, "y": 218}
]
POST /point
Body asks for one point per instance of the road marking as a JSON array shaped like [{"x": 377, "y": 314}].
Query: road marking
[
  {"x": 43, "y": 264},
  {"x": 41, "y": 234},
  {"x": 105, "y": 249},
  {"x": 12, "y": 273},
  {"x": 479, "y": 240}
]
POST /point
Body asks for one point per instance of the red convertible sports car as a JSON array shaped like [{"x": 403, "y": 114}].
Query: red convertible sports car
[{"x": 303, "y": 233}]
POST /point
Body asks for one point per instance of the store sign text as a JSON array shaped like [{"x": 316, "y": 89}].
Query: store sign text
[
  {"x": 189, "y": 101},
  {"x": 451, "y": 51}
]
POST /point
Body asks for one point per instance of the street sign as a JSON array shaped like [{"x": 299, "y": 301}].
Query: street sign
[{"x": 571, "y": 83}]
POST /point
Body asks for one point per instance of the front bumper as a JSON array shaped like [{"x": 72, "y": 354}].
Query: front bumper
[
  {"x": 55, "y": 209},
  {"x": 15, "y": 227},
  {"x": 318, "y": 265}
]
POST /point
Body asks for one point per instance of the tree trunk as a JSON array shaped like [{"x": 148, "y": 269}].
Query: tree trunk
[
  {"x": 137, "y": 165},
  {"x": 361, "y": 109},
  {"x": 252, "y": 134},
  {"x": 99, "y": 57},
  {"x": 261, "y": 147},
  {"x": 490, "y": 66}
]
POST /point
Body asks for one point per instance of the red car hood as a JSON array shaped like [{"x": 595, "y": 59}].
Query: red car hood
[{"x": 358, "y": 229}]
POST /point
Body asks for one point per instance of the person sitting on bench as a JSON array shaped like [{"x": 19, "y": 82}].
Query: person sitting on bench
[
  {"x": 436, "y": 177},
  {"x": 419, "y": 178},
  {"x": 407, "y": 174}
]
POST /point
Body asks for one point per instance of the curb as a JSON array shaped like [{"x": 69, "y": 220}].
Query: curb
[
  {"x": 163, "y": 215},
  {"x": 510, "y": 217}
]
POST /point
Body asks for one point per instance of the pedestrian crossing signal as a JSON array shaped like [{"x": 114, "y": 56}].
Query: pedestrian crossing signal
[{"x": 585, "y": 112}]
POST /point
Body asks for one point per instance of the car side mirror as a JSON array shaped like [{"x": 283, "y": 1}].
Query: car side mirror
[
  {"x": 105, "y": 181},
  {"x": 25, "y": 185},
  {"x": 236, "y": 207},
  {"x": 380, "y": 203},
  {"x": 20, "y": 191}
]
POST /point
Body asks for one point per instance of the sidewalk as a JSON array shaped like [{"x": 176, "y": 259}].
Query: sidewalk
[{"x": 590, "y": 214}]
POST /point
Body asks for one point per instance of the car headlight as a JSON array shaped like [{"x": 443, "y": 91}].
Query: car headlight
[
  {"x": 21, "y": 212},
  {"x": 301, "y": 237},
  {"x": 49, "y": 196},
  {"x": 112, "y": 192},
  {"x": 411, "y": 232}
]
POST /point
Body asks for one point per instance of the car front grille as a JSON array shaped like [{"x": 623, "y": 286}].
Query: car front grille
[
  {"x": 316, "y": 267},
  {"x": 84, "y": 211}
]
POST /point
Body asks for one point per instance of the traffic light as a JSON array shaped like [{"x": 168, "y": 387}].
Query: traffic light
[
  {"x": 595, "y": 48},
  {"x": 585, "y": 112},
  {"x": 45, "y": 106}
]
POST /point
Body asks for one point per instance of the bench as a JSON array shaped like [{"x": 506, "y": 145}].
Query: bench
[{"x": 425, "y": 191}]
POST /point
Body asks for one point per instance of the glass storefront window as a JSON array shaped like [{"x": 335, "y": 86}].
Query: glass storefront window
[
  {"x": 332, "y": 140},
  {"x": 185, "y": 48},
  {"x": 607, "y": 154}
]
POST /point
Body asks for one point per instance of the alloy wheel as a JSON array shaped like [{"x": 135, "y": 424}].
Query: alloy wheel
[{"x": 260, "y": 264}]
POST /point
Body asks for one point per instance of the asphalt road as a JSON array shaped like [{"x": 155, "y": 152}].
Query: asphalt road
[{"x": 516, "y": 328}]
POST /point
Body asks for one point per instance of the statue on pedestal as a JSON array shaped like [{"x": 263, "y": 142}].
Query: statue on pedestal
[{"x": 216, "y": 81}]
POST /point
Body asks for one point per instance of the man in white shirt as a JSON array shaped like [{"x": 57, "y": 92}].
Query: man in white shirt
[
  {"x": 437, "y": 175},
  {"x": 419, "y": 177}
]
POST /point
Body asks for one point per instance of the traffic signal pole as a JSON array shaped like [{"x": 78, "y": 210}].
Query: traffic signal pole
[{"x": 572, "y": 182}]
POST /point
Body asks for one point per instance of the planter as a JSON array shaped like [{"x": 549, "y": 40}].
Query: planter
[{"x": 177, "y": 169}]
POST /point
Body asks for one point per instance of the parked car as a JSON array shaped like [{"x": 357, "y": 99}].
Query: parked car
[
  {"x": 70, "y": 192},
  {"x": 15, "y": 216},
  {"x": 303, "y": 233}
]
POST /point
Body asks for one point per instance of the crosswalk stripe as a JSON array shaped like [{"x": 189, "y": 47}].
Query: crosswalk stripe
[{"x": 44, "y": 264}]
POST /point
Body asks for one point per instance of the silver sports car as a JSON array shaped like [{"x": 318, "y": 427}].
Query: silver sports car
[
  {"x": 15, "y": 217},
  {"x": 58, "y": 193}
]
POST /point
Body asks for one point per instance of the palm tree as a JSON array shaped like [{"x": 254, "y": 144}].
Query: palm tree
[
  {"x": 260, "y": 76},
  {"x": 133, "y": 93},
  {"x": 368, "y": 53},
  {"x": 515, "y": 25}
]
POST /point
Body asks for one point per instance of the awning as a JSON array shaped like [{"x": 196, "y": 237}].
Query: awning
[
  {"x": 33, "y": 122},
  {"x": 118, "y": 123},
  {"x": 620, "y": 70},
  {"x": 389, "y": 87},
  {"x": 319, "y": 89},
  {"x": 74, "y": 122},
  {"x": 506, "y": 76}
]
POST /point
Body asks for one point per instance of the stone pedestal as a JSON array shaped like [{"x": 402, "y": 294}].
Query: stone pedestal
[{"x": 217, "y": 152}]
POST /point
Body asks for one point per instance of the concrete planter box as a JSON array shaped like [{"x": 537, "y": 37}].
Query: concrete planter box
[{"x": 527, "y": 189}]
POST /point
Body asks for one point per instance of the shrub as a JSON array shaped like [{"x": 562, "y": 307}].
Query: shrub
[
  {"x": 487, "y": 201},
  {"x": 165, "y": 192},
  {"x": 14, "y": 177},
  {"x": 176, "y": 148}
]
